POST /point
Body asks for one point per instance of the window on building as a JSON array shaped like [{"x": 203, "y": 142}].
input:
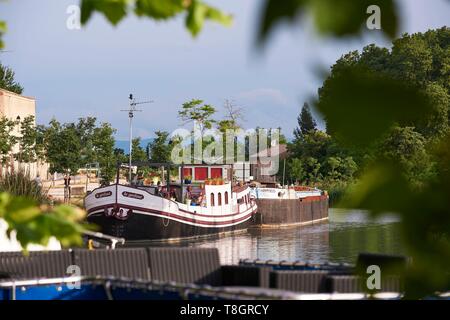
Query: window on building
[
  {"x": 216, "y": 173},
  {"x": 219, "y": 199},
  {"x": 187, "y": 172},
  {"x": 201, "y": 173},
  {"x": 226, "y": 197},
  {"x": 212, "y": 200}
]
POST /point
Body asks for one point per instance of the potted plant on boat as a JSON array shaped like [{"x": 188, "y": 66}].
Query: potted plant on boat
[
  {"x": 208, "y": 182},
  {"x": 188, "y": 179}
]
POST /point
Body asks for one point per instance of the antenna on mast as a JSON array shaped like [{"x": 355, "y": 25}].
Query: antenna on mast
[{"x": 131, "y": 112}]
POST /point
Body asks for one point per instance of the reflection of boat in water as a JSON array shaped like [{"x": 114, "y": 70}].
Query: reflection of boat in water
[{"x": 161, "y": 212}]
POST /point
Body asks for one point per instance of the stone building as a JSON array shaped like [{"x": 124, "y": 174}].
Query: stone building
[{"x": 16, "y": 107}]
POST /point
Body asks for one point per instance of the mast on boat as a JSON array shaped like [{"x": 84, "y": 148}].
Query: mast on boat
[{"x": 131, "y": 112}]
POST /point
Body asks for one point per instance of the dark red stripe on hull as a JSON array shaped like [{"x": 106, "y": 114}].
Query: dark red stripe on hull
[
  {"x": 179, "y": 217},
  {"x": 143, "y": 227}
]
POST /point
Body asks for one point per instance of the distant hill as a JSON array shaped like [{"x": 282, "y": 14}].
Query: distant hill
[{"x": 125, "y": 144}]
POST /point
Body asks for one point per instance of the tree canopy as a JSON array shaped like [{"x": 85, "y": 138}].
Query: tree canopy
[
  {"x": 7, "y": 79},
  {"x": 306, "y": 122}
]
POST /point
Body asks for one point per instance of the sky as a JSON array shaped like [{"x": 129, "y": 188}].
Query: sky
[{"x": 91, "y": 72}]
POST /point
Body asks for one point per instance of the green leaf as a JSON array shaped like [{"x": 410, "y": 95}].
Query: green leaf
[
  {"x": 360, "y": 105},
  {"x": 331, "y": 17},
  {"x": 382, "y": 188},
  {"x": 342, "y": 17},
  {"x": 159, "y": 9},
  {"x": 4, "y": 200},
  {"x": 276, "y": 11},
  {"x": 21, "y": 209},
  {"x": 113, "y": 10},
  {"x": 2, "y": 31},
  {"x": 198, "y": 12}
]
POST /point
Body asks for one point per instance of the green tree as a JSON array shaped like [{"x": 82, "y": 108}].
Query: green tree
[
  {"x": 27, "y": 141},
  {"x": 63, "y": 147},
  {"x": 201, "y": 114},
  {"x": 348, "y": 168},
  {"x": 295, "y": 170},
  {"x": 86, "y": 128},
  {"x": 306, "y": 122},
  {"x": 120, "y": 156},
  {"x": 312, "y": 168},
  {"x": 7, "y": 140},
  {"x": 40, "y": 148},
  {"x": 396, "y": 100},
  {"x": 408, "y": 148},
  {"x": 103, "y": 144},
  {"x": 7, "y": 80},
  {"x": 138, "y": 153},
  {"x": 334, "y": 163},
  {"x": 160, "y": 149}
]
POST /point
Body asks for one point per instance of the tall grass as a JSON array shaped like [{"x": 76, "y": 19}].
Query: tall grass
[
  {"x": 20, "y": 184},
  {"x": 336, "y": 190}
]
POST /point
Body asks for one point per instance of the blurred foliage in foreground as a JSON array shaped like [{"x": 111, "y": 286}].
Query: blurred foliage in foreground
[
  {"x": 392, "y": 108},
  {"x": 398, "y": 94},
  {"x": 36, "y": 224},
  {"x": 196, "y": 11}
]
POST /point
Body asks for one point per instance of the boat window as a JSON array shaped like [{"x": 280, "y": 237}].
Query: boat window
[
  {"x": 226, "y": 197},
  {"x": 219, "y": 199},
  {"x": 212, "y": 199}
]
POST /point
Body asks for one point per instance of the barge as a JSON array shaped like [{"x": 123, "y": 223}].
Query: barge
[
  {"x": 289, "y": 206},
  {"x": 176, "y": 210}
]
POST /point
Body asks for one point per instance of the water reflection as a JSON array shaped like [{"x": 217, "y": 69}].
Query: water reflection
[{"x": 340, "y": 240}]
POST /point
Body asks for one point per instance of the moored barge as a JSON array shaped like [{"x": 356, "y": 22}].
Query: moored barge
[
  {"x": 289, "y": 206},
  {"x": 175, "y": 210}
]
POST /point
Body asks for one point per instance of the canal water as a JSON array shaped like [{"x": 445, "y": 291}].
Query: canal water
[{"x": 347, "y": 233}]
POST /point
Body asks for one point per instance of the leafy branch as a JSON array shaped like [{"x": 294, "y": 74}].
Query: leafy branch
[
  {"x": 36, "y": 224},
  {"x": 196, "y": 11}
]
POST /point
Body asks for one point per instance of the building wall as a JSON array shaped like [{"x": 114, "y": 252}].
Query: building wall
[{"x": 14, "y": 107}]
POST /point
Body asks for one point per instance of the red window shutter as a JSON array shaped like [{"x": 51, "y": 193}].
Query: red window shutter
[
  {"x": 187, "y": 172},
  {"x": 201, "y": 173},
  {"x": 216, "y": 173}
]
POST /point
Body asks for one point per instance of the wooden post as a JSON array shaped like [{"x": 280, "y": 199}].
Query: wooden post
[
  {"x": 181, "y": 182},
  {"x": 168, "y": 181}
]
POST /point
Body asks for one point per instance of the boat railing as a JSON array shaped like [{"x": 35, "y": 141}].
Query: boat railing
[{"x": 98, "y": 235}]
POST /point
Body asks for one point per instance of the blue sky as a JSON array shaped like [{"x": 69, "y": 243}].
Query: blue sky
[{"x": 90, "y": 72}]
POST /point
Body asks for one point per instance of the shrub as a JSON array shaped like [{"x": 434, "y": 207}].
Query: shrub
[{"x": 20, "y": 184}]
